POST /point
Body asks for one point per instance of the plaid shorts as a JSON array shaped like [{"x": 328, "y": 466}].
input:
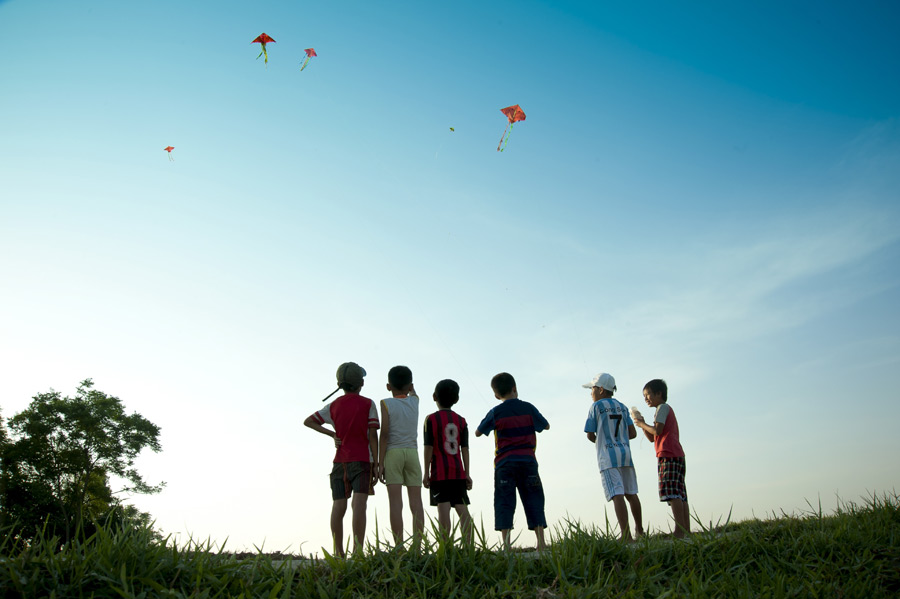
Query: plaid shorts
[{"x": 671, "y": 479}]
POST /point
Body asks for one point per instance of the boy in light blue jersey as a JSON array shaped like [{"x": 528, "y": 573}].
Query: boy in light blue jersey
[{"x": 610, "y": 427}]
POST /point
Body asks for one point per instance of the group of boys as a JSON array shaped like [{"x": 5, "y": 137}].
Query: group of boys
[
  {"x": 362, "y": 459},
  {"x": 611, "y": 426}
]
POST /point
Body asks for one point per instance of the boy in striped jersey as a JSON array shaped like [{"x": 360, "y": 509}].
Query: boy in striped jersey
[
  {"x": 609, "y": 427},
  {"x": 515, "y": 424},
  {"x": 669, "y": 454},
  {"x": 446, "y": 445}
]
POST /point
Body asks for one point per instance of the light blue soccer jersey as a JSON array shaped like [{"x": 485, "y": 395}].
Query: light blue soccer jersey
[{"x": 609, "y": 419}]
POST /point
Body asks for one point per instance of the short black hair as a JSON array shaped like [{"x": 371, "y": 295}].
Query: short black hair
[
  {"x": 503, "y": 384},
  {"x": 399, "y": 377},
  {"x": 658, "y": 386},
  {"x": 446, "y": 393}
]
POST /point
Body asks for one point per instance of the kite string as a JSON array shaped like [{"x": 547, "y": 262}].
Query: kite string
[{"x": 508, "y": 126}]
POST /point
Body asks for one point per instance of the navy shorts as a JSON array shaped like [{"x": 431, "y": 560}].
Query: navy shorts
[
  {"x": 523, "y": 476},
  {"x": 449, "y": 491},
  {"x": 351, "y": 477}
]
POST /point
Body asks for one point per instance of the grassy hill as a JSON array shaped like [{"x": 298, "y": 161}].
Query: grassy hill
[{"x": 854, "y": 552}]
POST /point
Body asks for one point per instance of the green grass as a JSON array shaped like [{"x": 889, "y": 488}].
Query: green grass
[{"x": 854, "y": 552}]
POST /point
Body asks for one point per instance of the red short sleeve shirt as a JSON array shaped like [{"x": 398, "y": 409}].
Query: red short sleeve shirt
[{"x": 351, "y": 415}]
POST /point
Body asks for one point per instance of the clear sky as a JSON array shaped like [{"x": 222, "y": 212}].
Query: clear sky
[{"x": 704, "y": 193}]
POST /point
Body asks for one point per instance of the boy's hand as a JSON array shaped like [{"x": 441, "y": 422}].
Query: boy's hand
[
  {"x": 426, "y": 480},
  {"x": 412, "y": 390},
  {"x": 381, "y": 473},
  {"x": 468, "y": 483},
  {"x": 375, "y": 470},
  {"x": 337, "y": 442}
]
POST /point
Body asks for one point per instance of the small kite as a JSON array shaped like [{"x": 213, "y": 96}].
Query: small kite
[
  {"x": 263, "y": 39},
  {"x": 309, "y": 54},
  {"x": 452, "y": 129},
  {"x": 169, "y": 150},
  {"x": 514, "y": 113}
]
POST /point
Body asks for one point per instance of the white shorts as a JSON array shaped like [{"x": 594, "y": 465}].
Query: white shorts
[{"x": 619, "y": 481}]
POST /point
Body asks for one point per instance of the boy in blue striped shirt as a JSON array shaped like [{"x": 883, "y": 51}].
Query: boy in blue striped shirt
[{"x": 609, "y": 426}]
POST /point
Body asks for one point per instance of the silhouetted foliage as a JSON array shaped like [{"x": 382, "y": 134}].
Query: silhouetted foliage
[{"x": 57, "y": 458}]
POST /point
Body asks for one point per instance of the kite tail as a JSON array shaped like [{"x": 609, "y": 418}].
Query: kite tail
[
  {"x": 508, "y": 133},
  {"x": 508, "y": 125},
  {"x": 305, "y": 62},
  {"x": 261, "y": 53}
]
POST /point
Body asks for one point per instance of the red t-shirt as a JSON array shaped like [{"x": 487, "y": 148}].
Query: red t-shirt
[{"x": 351, "y": 415}]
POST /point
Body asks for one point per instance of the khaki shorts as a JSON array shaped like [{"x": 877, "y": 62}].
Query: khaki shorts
[{"x": 401, "y": 467}]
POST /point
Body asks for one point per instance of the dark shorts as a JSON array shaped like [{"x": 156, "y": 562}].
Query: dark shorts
[
  {"x": 351, "y": 477},
  {"x": 449, "y": 491},
  {"x": 510, "y": 476},
  {"x": 671, "y": 479}
]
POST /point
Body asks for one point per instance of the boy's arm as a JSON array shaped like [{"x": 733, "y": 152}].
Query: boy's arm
[
  {"x": 385, "y": 436},
  {"x": 592, "y": 437},
  {"x": 632, "y": 433},
  {"x": 373, "y": 451},
  {"x": 311, "y": 423},
  {"x": 426, "y": 478},
  {"x": 465, "y": 457},
  {"x": 651, "y": 432}
]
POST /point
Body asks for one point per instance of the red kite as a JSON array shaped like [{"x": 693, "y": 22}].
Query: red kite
[
  {"x": 169, "y": 150},
  {"x": 263, "y": 39},
  {"x": 514, "y": 113},
  {"x": 309, "y": 54}
]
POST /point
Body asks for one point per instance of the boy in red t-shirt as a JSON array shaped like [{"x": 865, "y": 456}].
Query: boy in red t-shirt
[
  {"x": 447, "y": 460},
  {"x": 355, "y": 422},
  {"x": 669, "y": 454}
]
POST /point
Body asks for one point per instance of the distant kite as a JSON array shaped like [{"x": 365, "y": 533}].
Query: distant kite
[
  {"x": 309, "y": 54},
  {"x": 263, "y": 39},
  {"x": 452, "y": 129},
  {"x": 514, "y": 114},
  {"x": 169, "y": 150}
]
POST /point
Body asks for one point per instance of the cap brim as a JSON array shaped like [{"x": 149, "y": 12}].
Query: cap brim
[{"x": 588, "y": 385}]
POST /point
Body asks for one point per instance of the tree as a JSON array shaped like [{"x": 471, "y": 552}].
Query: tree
[{"x": 60, "y": 454}]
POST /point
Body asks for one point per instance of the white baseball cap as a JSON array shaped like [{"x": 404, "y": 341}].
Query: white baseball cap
[{"x": 602, "y": 380}]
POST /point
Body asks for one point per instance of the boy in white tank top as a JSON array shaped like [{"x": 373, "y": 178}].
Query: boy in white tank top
[{"x": 398, "y": 452}]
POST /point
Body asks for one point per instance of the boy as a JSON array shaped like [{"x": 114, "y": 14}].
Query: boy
[
  {"x": 447, "y": 460},
  {"x": 355, "y": 422},
  {"x": 610, "y": 427},
  {"x": 515, "y": 424},
  {"x": 669, "y": 454},
  {"x": 398, "y": 456}
]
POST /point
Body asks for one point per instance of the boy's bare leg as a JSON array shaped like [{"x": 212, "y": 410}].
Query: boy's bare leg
[
  {"x": 539, "y": 533},
  {"x": 395, "y": 500},
  {"x": 444, "y": 518},
  {"x": 338, "y": 509},
  {"x": 465, "y": 523},
  {"x": 418, "y": 513},
  {"x": 635, "y": 502},
  {"x": 358, "y": 505},
  {"x": 682, "y": 517},
  {"x": 622, "y": 516},
  {"x": 504, "y": 534}
]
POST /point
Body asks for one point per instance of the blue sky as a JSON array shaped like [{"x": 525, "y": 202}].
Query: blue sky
[{"x": 699, "y": 193}]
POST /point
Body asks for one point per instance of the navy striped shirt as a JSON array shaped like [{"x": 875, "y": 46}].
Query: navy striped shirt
[{"x": 515, "y": 424}]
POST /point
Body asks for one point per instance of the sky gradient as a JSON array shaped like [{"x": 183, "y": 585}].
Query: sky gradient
[{"x": 704, "y": 194}]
